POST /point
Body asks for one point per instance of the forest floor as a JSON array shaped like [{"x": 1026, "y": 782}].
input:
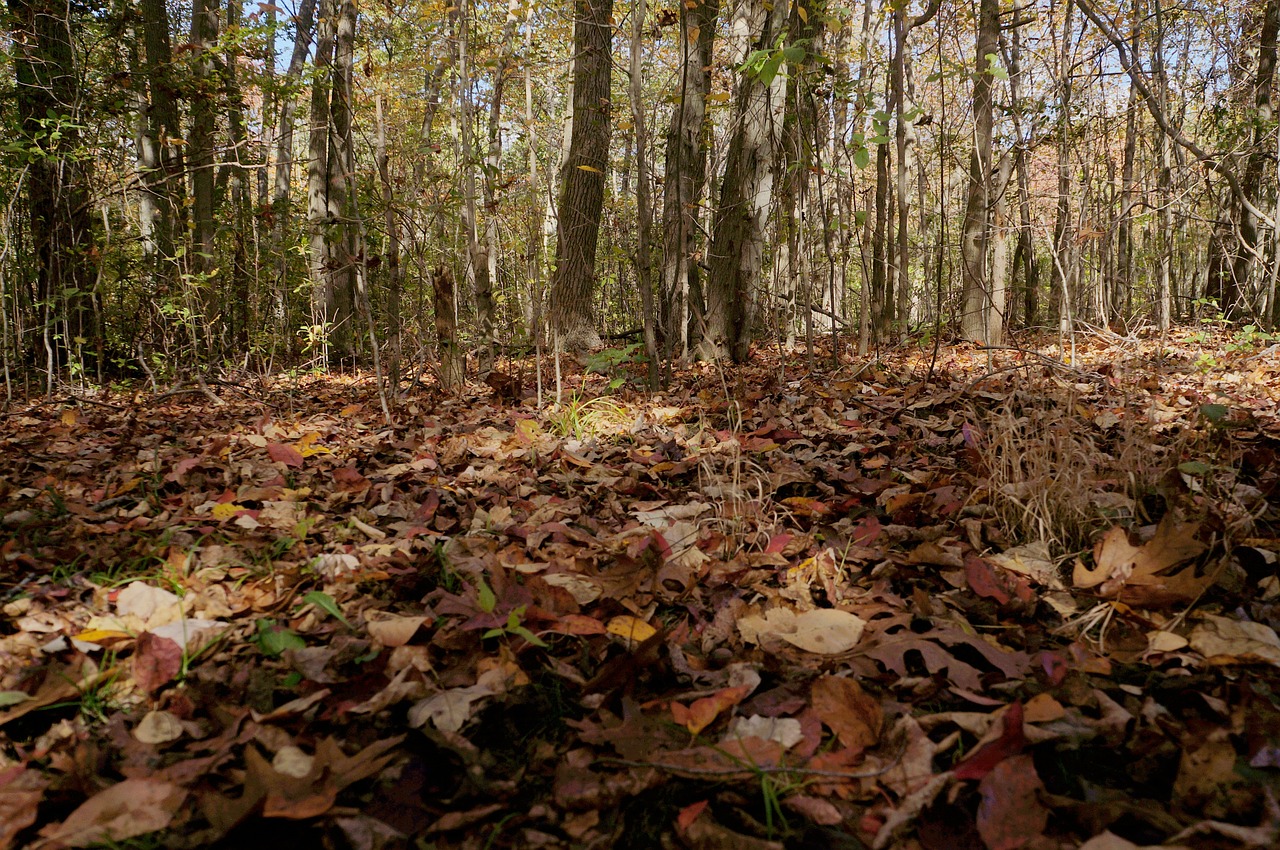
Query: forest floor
[{"x": 1004, "y": 598}]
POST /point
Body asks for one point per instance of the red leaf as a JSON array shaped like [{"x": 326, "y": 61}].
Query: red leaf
[
  {"x": 777, "y": 543},
  {"x": 1010, "y": 814},
  {"x": 985, "y": 758},
  {"x": 982, "y": 579},
  {"x": 690, "y": 813},
  {"x": 156, "y": 660},
  {"x": 285, "y": 454}
]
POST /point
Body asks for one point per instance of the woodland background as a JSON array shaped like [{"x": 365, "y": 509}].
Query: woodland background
[{"x": 199, "y": 184}]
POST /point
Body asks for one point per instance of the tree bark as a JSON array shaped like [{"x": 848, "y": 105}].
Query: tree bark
[
  {"x": 978, "y": 286},
  {"x": 746, "y": 193},
  {"x": 204, "y": 36},
  {"x": 321, "y": 215},
  {"x": 683, "y": 178},
  {"x": 582, "y": 182},
  {"x": 281, "y": 190}
]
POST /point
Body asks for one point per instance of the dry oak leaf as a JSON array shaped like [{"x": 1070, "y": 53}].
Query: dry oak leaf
[
  {"x": 21, "y": 790},
  {"x": 1223, "y": 640},
  {"x": 853, "y": 715},
  {"x": 1119, "y": 564},
  {"x": 1011, "y": 814},
  {"x": 823, "y": 631},
  {"x": 125, "y": 810}
]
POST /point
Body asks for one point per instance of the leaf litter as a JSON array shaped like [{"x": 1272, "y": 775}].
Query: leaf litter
[{"x": 984, "y": 605}]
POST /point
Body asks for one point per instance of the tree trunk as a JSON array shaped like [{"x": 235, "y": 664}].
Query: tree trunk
[
  {"x": 341, "y": 300},
  {"x": 321, "y": 215},
  {"x": 978, "y": 286},
  {"x": 1060, "y": 284},
  {"x": 644, "y": 202},
  {"x": 204, "y": 37},
  {"x": 452, "y": 361},
  {"x": 683, "y": 178},
  {"x": 1235, "y": 302},
  {"x": 746, "y": 192},
  {"x": 47, "y": 89},
  {"x": 582, "y": 182},
  {"x": 281, "y": 191}
]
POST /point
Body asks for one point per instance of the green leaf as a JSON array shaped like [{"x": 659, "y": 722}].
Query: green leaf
[
  {"x": 485, "y": 598},
  {"x": 793, "y": 54},
  {"x": 529, "y": 636},
  {"x": 769, "y": 70},
  {"x": 273, "y": 639},
  {"x": 8, "y": 698},
  {"x": 1193, "y": 467},
  {"x": 492, "y": 633},
  {"x": 325, "y": 601},
  {"x": 1215, "y": 413},
  {"x": 862, "y": 157}
]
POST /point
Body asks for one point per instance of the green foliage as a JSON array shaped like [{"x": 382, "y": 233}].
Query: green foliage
[
  {"x": 612, "y": 360},
  {"x": 515, "y": 626},
  {"x": 273, "y": 639},
  {"x": 326, "y": 603}
]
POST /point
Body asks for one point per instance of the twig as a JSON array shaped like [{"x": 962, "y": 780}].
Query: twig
[{"x": 734, "y": 771}]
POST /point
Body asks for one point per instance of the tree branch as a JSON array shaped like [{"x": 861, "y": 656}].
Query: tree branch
[{"x": 1140, "y": 82}]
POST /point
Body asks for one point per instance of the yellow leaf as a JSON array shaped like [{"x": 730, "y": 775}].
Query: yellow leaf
[
  {"x": 693, "y": 34},
  {"x": 226, "y": 510},
  {"x": 350, "y": 410},
  {"x": 803, "y": 13},
  {"x": 315, "y": 450},
  {"x": 718, "y": 97},
  {"x": 69, "y": 417},
  {"x": 591, "y": 168},
  {"x": 307, "y": 439},
  {"x": 631, "y": 628},
  {"x": 102, "y": 635}
]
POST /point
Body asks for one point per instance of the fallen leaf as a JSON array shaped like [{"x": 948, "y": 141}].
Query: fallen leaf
[
  {"x": 125, "y": 810},
  {"x": 1010, "y": 814},
  {"x": 848, "y": 711}
]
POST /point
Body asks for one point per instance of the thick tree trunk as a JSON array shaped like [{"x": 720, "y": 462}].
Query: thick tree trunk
[
  {"x": 746, "y": 192},
  {"x": 342, "y": 292},
  {"x": 1235, "y": 302},
  {"x": 582, "y": 181}
]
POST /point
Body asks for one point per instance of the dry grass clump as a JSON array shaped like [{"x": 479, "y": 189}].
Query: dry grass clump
[{"x": 1056, "y": 477}]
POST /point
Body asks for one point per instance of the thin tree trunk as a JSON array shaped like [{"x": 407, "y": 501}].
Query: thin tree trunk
[
  {"x": 684, "y": 176},
  {"x": 281, "y": 192},
  {"x": 320, "y": 215},
  {"x": 978, "y": 286},
  {"x": 644, "y": 202}
]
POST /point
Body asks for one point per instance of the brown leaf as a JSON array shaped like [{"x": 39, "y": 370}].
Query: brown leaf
[
  {"x": 853, "y": 715},
  {"x": 156, "y": 661},
  {"x": 1010, "y": 814},
  {"x": 123, "y": 811},
  {"x": 286, "y": 454},
  {"x": 21, "y": 790}
]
